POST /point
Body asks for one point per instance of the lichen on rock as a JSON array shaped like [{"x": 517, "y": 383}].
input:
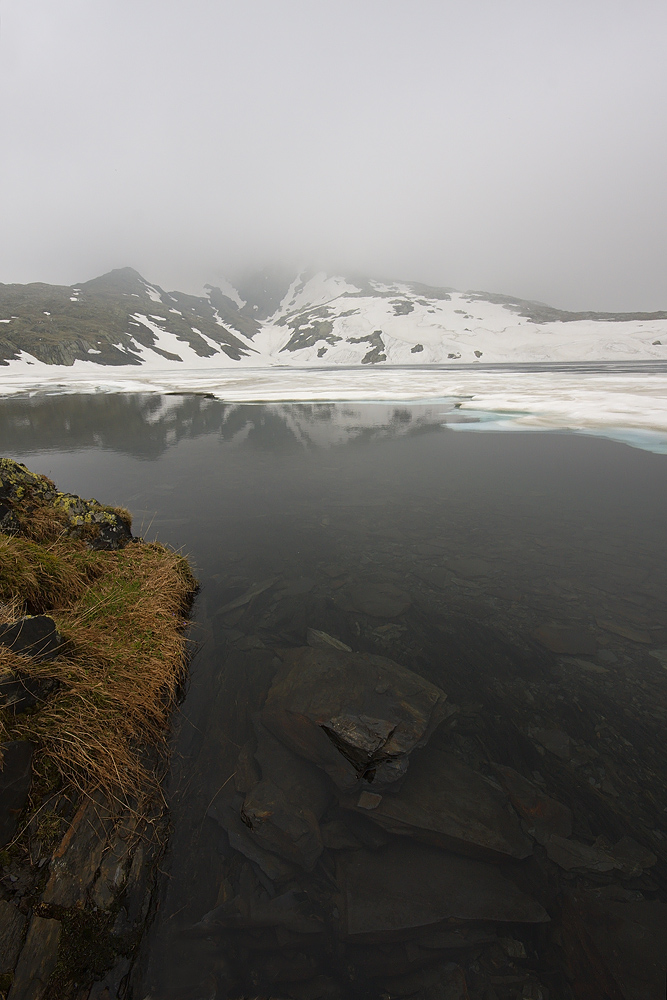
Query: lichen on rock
[{"x": 32, "y": 506}]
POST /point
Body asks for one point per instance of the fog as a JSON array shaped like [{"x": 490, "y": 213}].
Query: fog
[{"x": 518, "y": 147}]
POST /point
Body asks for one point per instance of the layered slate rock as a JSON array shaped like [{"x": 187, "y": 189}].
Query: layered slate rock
[
  {"x": 445, "y": 803},
  {"x": 15, "y": 777},
  {"x": 409, "y": 886},
  {"x": 355, "y": 715}
]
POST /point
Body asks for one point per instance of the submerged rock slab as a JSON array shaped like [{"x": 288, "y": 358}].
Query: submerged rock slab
[
  {"x": 614, "y": 949},
  {"x": 289, "y": 830},
  {"x": 302, "y": 782},
  {"x": 355, "y": 715},
  {"x": 227, "y": 813},
  {"x": 570, "y": 640},
  {"x": 408, "y": 886},
  {"x": 543, "y": 815},
  {"x": 376, "y": 598},
  {"x": 445, "y": 803},
  {"x": 282, "y": 808}
]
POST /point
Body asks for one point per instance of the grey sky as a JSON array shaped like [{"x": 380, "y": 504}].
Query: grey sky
[{"x": 511, "y": 145}]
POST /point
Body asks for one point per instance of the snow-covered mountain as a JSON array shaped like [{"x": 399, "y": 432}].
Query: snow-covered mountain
[{"x": 308, "y": 320}]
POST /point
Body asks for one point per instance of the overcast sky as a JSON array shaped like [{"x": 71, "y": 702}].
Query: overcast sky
[{"x": 508, "y": 145}]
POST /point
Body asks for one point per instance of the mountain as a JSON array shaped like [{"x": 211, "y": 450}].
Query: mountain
[{"x": 311, "y": 319}]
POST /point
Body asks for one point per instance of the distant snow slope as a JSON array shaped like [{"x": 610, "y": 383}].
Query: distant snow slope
[
  {"x": 312, "y": 319},
  {"x": 331, "y": 321}
]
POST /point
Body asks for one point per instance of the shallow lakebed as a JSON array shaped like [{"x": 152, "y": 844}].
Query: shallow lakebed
[{"x": 522, "y": 574}]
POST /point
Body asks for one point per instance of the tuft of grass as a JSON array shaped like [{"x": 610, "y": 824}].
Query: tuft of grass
[{"x": 37, "y": 577}]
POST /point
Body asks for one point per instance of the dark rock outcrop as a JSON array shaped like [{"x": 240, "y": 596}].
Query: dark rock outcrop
[{"x": 15, "y": 777}]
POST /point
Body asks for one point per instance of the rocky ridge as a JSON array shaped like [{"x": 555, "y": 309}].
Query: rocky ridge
[{"x": 310, "y": 319}]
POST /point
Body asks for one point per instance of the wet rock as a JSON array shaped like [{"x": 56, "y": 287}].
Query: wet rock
[
  {"x": 247, "y": 597},
  {"x": 368, "y": 834},
  {"x": 409, "y": 886},
  {"x": 334, "y": 570},
  {"x": 15, "y": 778},
  {"x": 227, "y": 813},
  {"x": 252, "y": 908},
  {"x": 629, "y": 857},
  {"x": 282, "y": 809},
  {"x": 660, "y": 655},
  {"x": 633, "y": 634},
  {"x": 435, "y": 576},
  {"x": 77, "y": 858},
  {"x": 112, "y": 874},
  {"x": 445, "y": 803},
  {"x": 377, "y": 598},
  {"x": 566, "y": 640},
  {"x": 322, "y": 640},
  {"x": 247, "y": 772},
  {"x": 320, "y": 988},
  {"x": 632, "y": 858},
  {"x": 297, "y": 586},
  {"x": 248, "y": 642},
  {"x": 34, "y": 635},
  {"x": 389, "y": 633},
  {"x": 12, "y": 926},
  {"x": 38, "y": 959},
  {"x": 470, "y": 567},
  {"x": 554, "y": 740},
  {"x": 586, "y": 665},
  {"x": 355, "y": 715},
  {"x": 467, "y": 936},
  {"x": 302, "y": 782},
  {"x": 543, "y": 815},
  {"x": 289, "y": 830},
  {"x": 615, "y": 950},
  {"x": 110, "y": 987},
  {"x": 513, "y": 948},
  {"x": 446, "y": 982},
  {"x": 337, "y": 836},
  {"x": 572, "y": 854}
]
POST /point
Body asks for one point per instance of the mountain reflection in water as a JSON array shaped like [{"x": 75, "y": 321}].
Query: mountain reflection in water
[{"x": 523, "y": 575}]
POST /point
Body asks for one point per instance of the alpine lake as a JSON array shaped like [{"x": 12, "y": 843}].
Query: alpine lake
[{"x": 421, "y": 748}]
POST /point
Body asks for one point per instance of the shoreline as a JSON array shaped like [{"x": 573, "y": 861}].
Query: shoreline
[{"x": 93, "y": 654}]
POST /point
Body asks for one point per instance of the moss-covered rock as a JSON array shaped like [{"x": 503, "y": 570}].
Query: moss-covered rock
[{"x": 32, "y": 506}]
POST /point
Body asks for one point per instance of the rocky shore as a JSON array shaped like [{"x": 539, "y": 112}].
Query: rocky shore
[{"x": 92, "y": 653}]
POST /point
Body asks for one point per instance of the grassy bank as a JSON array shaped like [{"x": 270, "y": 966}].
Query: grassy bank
[{"x": 104, "y": 700}]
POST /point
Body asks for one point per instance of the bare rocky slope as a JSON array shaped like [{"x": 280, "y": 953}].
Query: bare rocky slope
[{"x": 311, "y": 319}]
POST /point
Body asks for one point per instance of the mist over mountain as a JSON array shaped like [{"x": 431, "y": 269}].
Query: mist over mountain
[{"x": 279, "y": 318}]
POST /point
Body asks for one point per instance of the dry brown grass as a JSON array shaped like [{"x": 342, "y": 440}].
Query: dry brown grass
[
  {"x": 42, "y": 577},
  {"x": 122, "y": 617}
]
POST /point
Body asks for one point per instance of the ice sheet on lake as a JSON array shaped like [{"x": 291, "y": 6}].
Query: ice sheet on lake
[{"x": 626, "y": 407}]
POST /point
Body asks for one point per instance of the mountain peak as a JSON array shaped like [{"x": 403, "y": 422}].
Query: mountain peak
[{"x": 120, "y": 279}]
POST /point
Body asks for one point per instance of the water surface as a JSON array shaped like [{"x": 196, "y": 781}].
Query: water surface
[{"x": 533, "y": 591}]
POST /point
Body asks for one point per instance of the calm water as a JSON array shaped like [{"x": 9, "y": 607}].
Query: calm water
[{"x": 523, "y": 574}]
